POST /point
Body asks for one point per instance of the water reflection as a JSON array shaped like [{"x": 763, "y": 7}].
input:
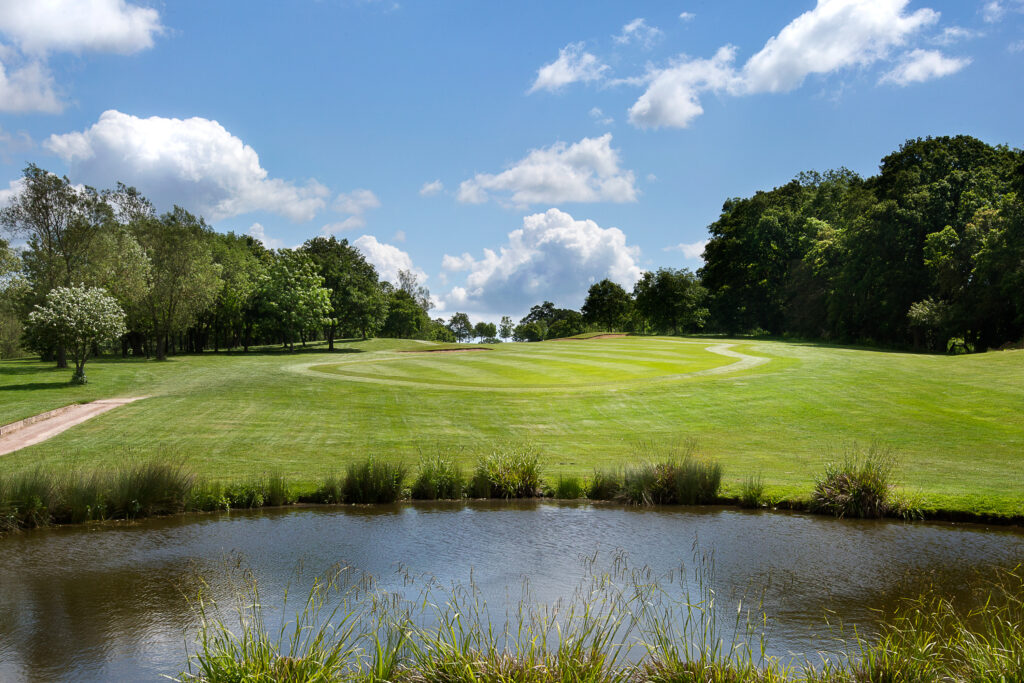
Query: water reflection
[{"x": 110, "y": 603}]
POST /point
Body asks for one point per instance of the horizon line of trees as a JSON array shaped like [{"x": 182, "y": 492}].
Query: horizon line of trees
[{"x": 927, "y": 254}]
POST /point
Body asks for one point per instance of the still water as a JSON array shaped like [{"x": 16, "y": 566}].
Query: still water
[{"x": 110, "y": 602}]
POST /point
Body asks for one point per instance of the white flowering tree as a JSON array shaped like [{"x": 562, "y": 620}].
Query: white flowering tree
[{"x": 77, "y": 318}]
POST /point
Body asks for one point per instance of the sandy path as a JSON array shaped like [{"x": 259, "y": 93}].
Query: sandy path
[{"x": 69, "y": 417}]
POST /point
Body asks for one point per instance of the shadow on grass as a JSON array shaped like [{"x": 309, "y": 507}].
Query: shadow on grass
[{"x": 35, "y": 386}]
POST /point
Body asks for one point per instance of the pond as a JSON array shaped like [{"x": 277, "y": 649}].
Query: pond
[{"x": 110, "y": 602}]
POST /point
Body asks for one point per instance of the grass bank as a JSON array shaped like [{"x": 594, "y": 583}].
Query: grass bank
[{"x": 956, "y": 422}]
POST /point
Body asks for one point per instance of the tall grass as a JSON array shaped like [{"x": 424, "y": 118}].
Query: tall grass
[
  {"x": 605, "y": 485},
  {"x": 374, "y": 481},
  {"x": 671, "y": 475},
  {"x": 512, "y": 472},
  {"x": 859, "y": 485},
  {"x": 438, "y": 478},
  {"x": 568, "y": 487},
  {"x": 620, "y": 626},
  {"x": 752, "y": 492}
]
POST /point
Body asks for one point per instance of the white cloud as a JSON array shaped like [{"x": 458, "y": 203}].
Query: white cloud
[
  {"x": 691, "y": 250},
  {"x": 600, "y": 117},
  {"x": 954, "y": 34},
  {"x": 585, "y": 171},
  {"x": 29, "y": 88},
  {"x": 687, "y": 16},
  {"x": 553, "y": 256},
  {"x": 918, "y": 66},
  {"x": 573, "y": 65},
  {"x": 399, "y": 236},
  {"x": 13, "y": 188},
  {"x": 356, "y": 202},
  {"x": 40, "y": 26},
  {"x": 673, "y": 96},
  {"x": 639, "y": 31},
  {"x": 993, "y": 11},
  {"x": 257, "y": 231},
  {"x": 431, "y": 188},
  {"x": 834, "y": 35},
  {"x": 387, "y": 259},
  {"x": 193, "y": 162},
  {"x": 351, "y": 223},
  {"x": 1016, "y": 47}
]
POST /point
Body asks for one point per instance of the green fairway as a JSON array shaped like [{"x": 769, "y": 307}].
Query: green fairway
[{"x": 779, "y": 409}]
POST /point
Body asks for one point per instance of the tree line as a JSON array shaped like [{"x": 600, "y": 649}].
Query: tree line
[{"x": 928, "y": 253}]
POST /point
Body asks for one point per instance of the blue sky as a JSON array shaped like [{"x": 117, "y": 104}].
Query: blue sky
[{"x": 507, "y": 152}]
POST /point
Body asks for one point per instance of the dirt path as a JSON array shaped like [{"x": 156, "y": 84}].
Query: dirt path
[{"x": 33, "y": 432}]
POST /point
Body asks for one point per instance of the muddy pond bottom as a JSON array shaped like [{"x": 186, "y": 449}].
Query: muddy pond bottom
[{"x": 111, "y": 602}]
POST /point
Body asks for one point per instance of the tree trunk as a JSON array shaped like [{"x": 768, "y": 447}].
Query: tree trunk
[
  {"x": 330, "y": 337},
  {"x": 62, "y": 357},
  {"x": 161, "y": 347}
]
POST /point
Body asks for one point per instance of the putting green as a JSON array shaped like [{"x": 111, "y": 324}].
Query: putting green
[{"x": 568, "y": 364}]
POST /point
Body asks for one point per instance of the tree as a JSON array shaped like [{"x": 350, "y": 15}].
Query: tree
[
  {"x": 505, "y": 328},
  {"x": 358, "y": 303},
  {"x": 529, "y": 332},
  {"x": 77, "y": 318},
  {"x": 406, "y": 319},
  {"x": 183, "y": 279},
  {"x": 484, "y": 330},
  {"x": 293, "y": 295},
  {"x": 460, "y": 327},
  {"x": 607, "y": 305},
  {"x": 13, "y": 290},
  {"x": 59, "y": 222},
  {"x": 671, "y": 300}
]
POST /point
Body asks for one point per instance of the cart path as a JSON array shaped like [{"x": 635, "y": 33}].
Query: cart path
[{"x": 37, "y": 430}]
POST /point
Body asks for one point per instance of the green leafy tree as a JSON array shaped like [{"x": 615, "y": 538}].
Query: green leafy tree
[
  {"x": 529, "y": 332},
  {"x": 607, "y": 305},
  {"x": 13, "y": 290},
  {"x": 672, "y": 300},
  {"x": 183, "y": 278},
  {"x": 460, "y": 326},
  {"x": 505, "y": 328},
  {"x": 484, "y": 330},
  {"x": 359, "y": 305},
  {"x": 294, "y": 296},
  {"x": 77, "y": 318},
  {"x": 406, "y": 318}
]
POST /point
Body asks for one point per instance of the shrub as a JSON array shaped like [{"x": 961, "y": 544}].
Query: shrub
[
  {"x": 856, "y": 487},
  {"x": 752, "y": 492},
  {"x": 374, "y": 481},
  {"x": 568, "y": 488},
  {"x": 438, "y": 478},
  {"x": 605, "y": 485},
  {"x": 509, "y": 473}
]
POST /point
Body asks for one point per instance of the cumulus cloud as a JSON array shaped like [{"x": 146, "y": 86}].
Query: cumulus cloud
[
  {"x": 691, "y": 250},
  {"x": 918, "y": 66},
  {"x": 573, "y": 65},
  {"x": 13, "y": 188},
  {"x": 387, "y": 259},
  {"x": 954, "y": 34},
  {"x": 41, "y": 26},
  {"x": 585, "y": 171},
  {"x": 431, "y": 188},
  {"x": 354, "y": 203},
  {"x": 29, "y": 88},
  {"x": 833, "y": 35},
  {"x": 993, "y": 11},
  {"x": 638, "y": 31},
  {"x": 553, "y": 256},
  {"x": 193, "y": 162}
]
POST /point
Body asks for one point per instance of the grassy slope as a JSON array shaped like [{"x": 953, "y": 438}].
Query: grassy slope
[{"x": 957, "y": 422}]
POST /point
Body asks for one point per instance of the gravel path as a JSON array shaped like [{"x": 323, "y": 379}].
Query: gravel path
[{"x": 69, "y": 416}]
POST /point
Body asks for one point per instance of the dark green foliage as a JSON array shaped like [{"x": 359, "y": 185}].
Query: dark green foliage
[
  {"x": 330, "y": 490},
  {"x": 568, "y": 487},
  {"x": 857, "y": 486},
  {"x": 508, "y": 473},
  {"x": 147, "y": 489},
  {"x": 605, "y": 485},
  {"x": 358, "y": 303},
  {"x": 439, "y": 478},
  {"x": 374, "y": 481},
  {"x": 671, "y": 301},
  {"x": 607, "y": 305}
]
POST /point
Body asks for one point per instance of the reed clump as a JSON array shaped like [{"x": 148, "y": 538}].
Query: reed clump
[
  {"x": 605, "y": 485},
  {"x": 568, "y": 487},
  {"x": 674, "y": 475},
  {"x": 859, "y": 485},
  {"x": 512, "y": 472},
  {"x": 374, "y": 481},
  {"x": 752, "y": 492},
  {"x": 439, "y": 478}
]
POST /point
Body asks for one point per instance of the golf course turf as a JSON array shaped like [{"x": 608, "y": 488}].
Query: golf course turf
[{"x": 778, "y": 409}]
